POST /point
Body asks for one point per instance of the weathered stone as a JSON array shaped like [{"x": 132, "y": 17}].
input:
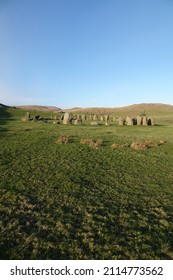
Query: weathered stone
[
  {"x": 94, "y": 123},
  {"x": 83, "y": 117},
  {"x": 106, "y": 118},
  {"x": 78, "y": 120},
  {"x": 144, "y": 120},
  {"x": 128, "y": 120},
  {"x": 67, "y": 118},
  {"x": 95, "y": 118},
  {"x": 121, "y": 121},
  {"x": 101, "y": 118},
  {"x": 139, "y": 120},
  {"x": 90, "y": 117},
  {"x": 27, "y": 117}
]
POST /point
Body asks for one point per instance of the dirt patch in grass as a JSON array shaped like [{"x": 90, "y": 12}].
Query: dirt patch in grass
[
  {"x": 92, "y": 143},
  {"x": 62, "y": 139},
  {"x": 139, "y": 145}
]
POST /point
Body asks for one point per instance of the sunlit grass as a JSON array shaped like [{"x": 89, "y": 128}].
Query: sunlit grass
[{"x": 74, "y": 202}]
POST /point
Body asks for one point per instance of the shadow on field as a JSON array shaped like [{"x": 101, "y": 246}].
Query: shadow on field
[{"x": 4, "y": 118}]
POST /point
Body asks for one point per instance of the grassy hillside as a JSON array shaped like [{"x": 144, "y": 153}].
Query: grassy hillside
[
  {"x": 75, "y": 201},
  {"x": 161, "y": 112}
]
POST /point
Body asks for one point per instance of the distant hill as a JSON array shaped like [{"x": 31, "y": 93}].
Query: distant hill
[
  {"x": 152, "y": 109},
  {"x": 4, "y": 106},
  {"x": 131, "y": 109},
  {"x": 39, "y": 108}
]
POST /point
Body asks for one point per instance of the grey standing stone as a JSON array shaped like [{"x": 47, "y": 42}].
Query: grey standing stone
[
  {"x": 144, "y": 120},
  {"x": 139, "y": 120},
  {"x": 67, "y": 118},
  {"x": 27, "y": 117},
  {"x": 128, "y": 120},
  {"x": 95, "y": 118},
  {"x": 121, "y": 121},
  {"x": 78, "y": 120}
]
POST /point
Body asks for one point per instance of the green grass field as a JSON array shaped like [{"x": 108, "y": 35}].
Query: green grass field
[{"x": 73, "y": 201}]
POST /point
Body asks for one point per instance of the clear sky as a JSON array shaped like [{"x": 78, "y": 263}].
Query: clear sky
[{"x": 85, "y": 53}]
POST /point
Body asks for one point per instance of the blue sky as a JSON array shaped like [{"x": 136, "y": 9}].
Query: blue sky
[{"x": 86, "y": 53}]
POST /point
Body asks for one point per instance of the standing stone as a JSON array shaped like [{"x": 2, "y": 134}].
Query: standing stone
[
  {"x": 27, "y": 117},
  {"x": 101, "y": 118},
  {"x": 67, "y": 118},
  {"x": 152, "y": 121},
  {"x": 128, "y": 120},
  {"x": 95, "y": 118},
  {"x": 106, "y": 117},
  {"x": 139, "y": 120},
  {"x": 144, "y": 120},
  {"x": 83, "y": 117},
  {"x": 78, "y": 120},
  {"x": 134, "y": 121},
  {"x": 121, "y": 121},
  {"x": 90, "y": 117}
]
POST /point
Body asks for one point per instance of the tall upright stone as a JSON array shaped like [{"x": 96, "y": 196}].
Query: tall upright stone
[
  {"x": 83, "y": 117},
  {"x": 139, "y": 120},
  {"x": 144, "y": 120},
  {"x": 121, "y": 121},
  {"x": 128, "y": 121},
  {"x": 95, "y": 117},
  {"x": 152, "y": 121},
  {"x": 27, "y": 117},
  {"x": 67, "y": 118},
  {"x": 78, "y": 120},
  {"x": 106, "y": 118}
]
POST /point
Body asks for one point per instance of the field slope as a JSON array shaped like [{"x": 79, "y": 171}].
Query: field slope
[{"x": 75, "y": 201}]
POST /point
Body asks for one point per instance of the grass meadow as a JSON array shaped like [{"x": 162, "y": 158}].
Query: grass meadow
[{"x": 72, "y": 200}]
